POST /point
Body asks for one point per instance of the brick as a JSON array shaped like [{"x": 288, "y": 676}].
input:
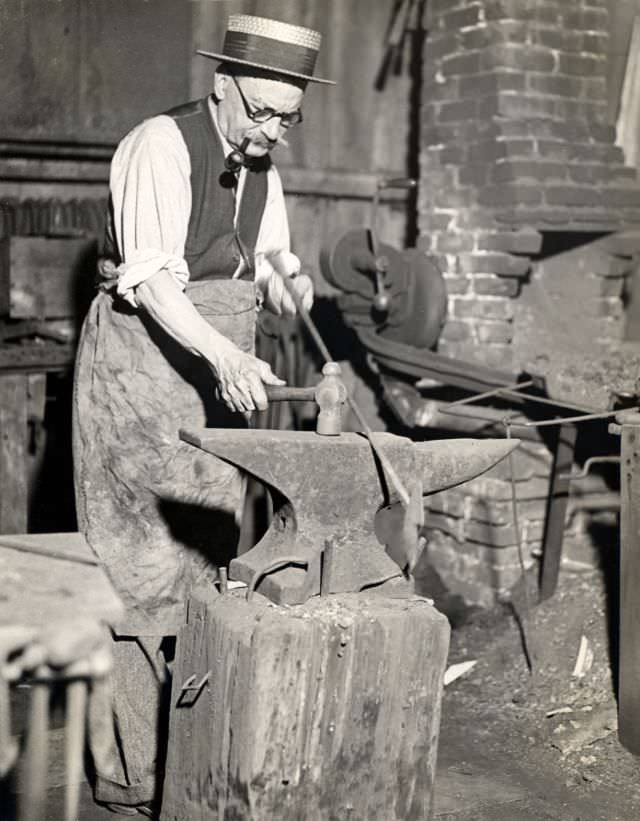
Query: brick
[
  {"x": 587, "y": 19},
  {"x": 486, "y": 486},
  {"x": 499, "y": 264},
  {"x": 493, "y": 285},
  {"x": 435, "y": 92},
  {"x": 489, "y": 82},
  {"x": 594, "y": 173},
  {"x": 602, "y": 132},
  {"x": 499, "y": 332},
  {"x": 595, "y": 43},
  {"x": 521, "y": 10},
  {"x": 622, "y": 197},
  {"x": 611, "y": 154},
  {"x": 573, "y": 131},
  {"x": 588, "y": 109},
  {"x": 581, "y": 65},
  {"x": 476, "y": 174},
  {"x": 573, "y": 195},
  {"x": 455, "y": 331},
  {"x": 454, "y": 243},
  {"x": 519, "y": 57},
  {"x": 557, "y": 149},
  {"x": 500, "y": 357},
  {"x": 501, "y": 513},
  {"x": 456, "y": 111},
  {"x": 557, "y": 38},
  {"x": 448, "y": 503},
  {"x": 452, "y": 198},
  {"x": 515, "y": 242},
  {"x": 516, "y": 194},
  {"x": 457, "y": 285},
  {"x": 494, "y": 149},
  {"x": 437, "y": 7},
  {"x": 494, "y": 308},
  {"x": 470, "y": 15},
  {"x": 594, "y": 88},
  {"x": 517, "y": 106},
  {"x": 486, "y": 35},
  {"x": 439, "y": 45},
  {"x": 465, "y": 63},
  {"x": 562, "y": 85},
  {"x": 527, "y": 170}
]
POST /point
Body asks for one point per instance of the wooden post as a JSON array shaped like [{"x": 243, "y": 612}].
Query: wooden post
[
  {"x": 557, "y": 509},
  {"x": 629, "y": 641},
  {"x": 329, "y": 709},
  {"x": 13, "y": 453}
]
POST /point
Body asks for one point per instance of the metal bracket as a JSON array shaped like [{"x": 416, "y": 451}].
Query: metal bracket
[
  {"x": 190, "y": 685},
  {"x": 592, "y": 460}
]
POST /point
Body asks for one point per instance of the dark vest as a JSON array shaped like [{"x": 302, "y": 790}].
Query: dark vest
[{"x": 212, "y": 246}]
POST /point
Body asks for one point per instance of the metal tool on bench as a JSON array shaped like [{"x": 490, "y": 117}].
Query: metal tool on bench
[{"x": 340, "y": 496}]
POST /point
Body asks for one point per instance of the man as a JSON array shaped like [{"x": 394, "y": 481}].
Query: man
[{"x": 198, "y": 229}]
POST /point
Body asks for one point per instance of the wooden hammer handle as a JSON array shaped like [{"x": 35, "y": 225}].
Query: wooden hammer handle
[{"x": 284, "y": 393}]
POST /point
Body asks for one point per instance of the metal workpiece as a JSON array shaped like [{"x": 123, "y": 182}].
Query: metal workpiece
[{"x": 333, "y": 490}]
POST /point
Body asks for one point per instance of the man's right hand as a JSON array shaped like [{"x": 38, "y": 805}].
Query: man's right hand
[{"x": 241, "y": 379}]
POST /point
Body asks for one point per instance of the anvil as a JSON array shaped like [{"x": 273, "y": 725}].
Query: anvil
[{"x": 330, "y": 492}]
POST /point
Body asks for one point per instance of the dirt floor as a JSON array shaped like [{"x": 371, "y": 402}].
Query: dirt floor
[
  {"x": 515, "y": 745},
  {"x": 519, "y": 745}
]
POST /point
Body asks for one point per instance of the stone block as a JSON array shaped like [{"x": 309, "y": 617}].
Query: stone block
[
  {"x": 562, "y": 85},
  {"x": 325, "y": 710},
  {"x": 455, "y": 331},
  {"x": 464, "y": 63},
  {"x": 573, "y": 195},
  {"x": 495, "y": 263},
  {"x": 469, "y": 15},
  {"x": 525, "y": 170}
]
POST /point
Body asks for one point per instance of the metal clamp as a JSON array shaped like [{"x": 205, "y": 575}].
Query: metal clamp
[
  {"x": 276, "y": 564},
  {"x": 189, "y": 685}
]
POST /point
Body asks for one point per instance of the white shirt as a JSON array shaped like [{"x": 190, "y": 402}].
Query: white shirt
[{"x": 151, "y": 194}]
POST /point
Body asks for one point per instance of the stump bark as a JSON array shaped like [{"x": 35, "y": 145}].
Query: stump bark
[{"x": 320, "y": 712}]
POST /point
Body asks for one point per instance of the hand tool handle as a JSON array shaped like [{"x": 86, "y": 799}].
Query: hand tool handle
[
  {"x": 284, "y": 393},
  {"x": 311, "y": 327}
]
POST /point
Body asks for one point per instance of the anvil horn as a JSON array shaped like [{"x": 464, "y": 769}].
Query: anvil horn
[{"x": 449, "y": 462}]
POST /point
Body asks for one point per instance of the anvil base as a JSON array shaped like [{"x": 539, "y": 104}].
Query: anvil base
[{"x": 330, "y": 709}]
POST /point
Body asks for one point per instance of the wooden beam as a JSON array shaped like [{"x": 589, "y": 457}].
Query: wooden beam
[
  {"x": 629, "y": 639},
  {"x": 557, "y": 509},
  {"x": 13, "y": 453}
]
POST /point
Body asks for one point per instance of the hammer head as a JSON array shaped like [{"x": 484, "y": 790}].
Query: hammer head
[{"x": 332, "y": 490}]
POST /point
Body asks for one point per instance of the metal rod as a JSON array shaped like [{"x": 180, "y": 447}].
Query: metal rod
[
  {"x": 77, "y": 697},
  {"x": 487, "y": 394},
  {"x": 311, "y": 327},
  {"x": 585, "y": 417}
]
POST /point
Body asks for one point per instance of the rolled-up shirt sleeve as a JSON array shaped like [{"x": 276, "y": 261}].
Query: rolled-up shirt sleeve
[
  {"x": 151, "y": 196},
  {"x": 273, "y": 236}
]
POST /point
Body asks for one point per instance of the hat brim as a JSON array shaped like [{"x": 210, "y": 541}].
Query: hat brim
[{"x": 251, "y": 64}]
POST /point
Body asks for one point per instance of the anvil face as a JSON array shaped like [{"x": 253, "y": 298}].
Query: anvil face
[{"x": 327, "y": 491}]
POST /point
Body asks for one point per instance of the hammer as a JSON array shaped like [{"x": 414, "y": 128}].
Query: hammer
[{"x": 329, "y": 394}]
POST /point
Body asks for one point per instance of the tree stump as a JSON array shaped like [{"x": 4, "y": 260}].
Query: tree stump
[{"x": 324, "y": 711}]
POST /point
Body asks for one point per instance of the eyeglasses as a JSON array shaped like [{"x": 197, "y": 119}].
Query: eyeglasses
[{"x": 263, "y": 115}]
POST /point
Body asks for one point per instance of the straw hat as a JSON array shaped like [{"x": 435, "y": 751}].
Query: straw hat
[{"x": 270, "y": 45}]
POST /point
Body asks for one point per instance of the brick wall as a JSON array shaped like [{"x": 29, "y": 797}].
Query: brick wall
[{"x": 515, "y": 148}]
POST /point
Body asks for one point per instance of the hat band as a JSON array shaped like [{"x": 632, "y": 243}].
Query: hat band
[{"x": 265, "y": 51}]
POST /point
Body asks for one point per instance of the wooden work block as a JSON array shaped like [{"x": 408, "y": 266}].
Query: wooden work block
[
  {"x": 326, "y": 710},
  {"x": 45, "y": 277}
]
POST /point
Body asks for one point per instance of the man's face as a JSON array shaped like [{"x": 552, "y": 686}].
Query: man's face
[{"x": 259, "y": 93}]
